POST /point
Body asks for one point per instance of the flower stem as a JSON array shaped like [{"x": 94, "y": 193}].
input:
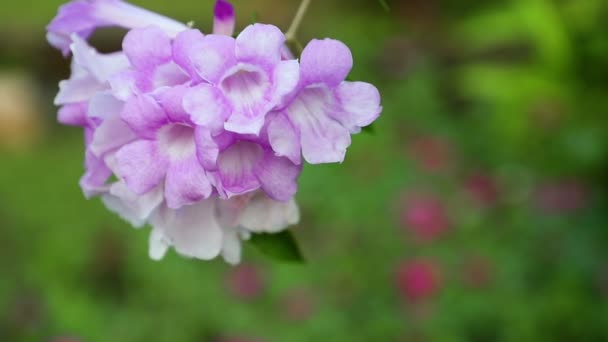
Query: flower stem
[{"x": 297, "y": 20}]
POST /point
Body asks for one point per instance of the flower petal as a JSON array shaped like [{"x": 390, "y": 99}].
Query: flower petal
[
  {"x": 284, "y": 138},
  {"x": 278, "y": 176},
  {"x": 325, "y": 61},
  {"x": 231, "y": 246},
  {"x": 74, "y": 114},
  {"x": 236, "y": 168},
  {"x": 285, "y": 79},
  {"x": 184, "y": 46},
  {"x": 171, "y": 101},
  {"x": 360, "y": 104},
  {"x": 323, "y": 139},
  {"x": 104, "y": 105},
  {"x": 141, "y": 165},
  {"x": 131, "y": 207},
  {"x": 263, "y": 215},
  {"x": 186, "y": 183},
  {"x": 158, "y": 245},
  {"x": 206, "y": 107},
  {"x": 192, "y": 230},
  {"x": 144, "y": 115},
  {"x": 110, "y": 135},
  {"x": 260, "y": 44},
  {"x": 147, "y": 47},
  {"x": 214, "y": 55},
  {"x": 207, "y": 149}
]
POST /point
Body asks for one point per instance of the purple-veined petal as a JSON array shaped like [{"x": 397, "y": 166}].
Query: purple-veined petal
[
  {"x": 206, "y": 106},
  {"x": 323, "y": 139},
  {"x": 186, "y": 183},
  {"x": 73, "y": 114},
  {"x": 147, "y": 47},
  {"x": 131, "y": 207},
  {"x": 141, "y": 165},
  {"x": 264, "y": 215},
  {"x": 284, "y": 138},
  {"x": 360, "y": 104},
  {"x": 260, "y": 44},
  {"x": 236, "y": 167},
  {"x": 278, "y": 176},
  {"x": 144, "y": 115},
  {"x": 247, "y": 88},
  {"x": 177, "y": 142},
  {"x": 112, "y": 134},
  {"x": 224, "y": 19},
  {"x": 207, "y": 150},
  {"x": 192, "y": 230},
  {"x": 83, "y": 17},
  {"x": 325, "y": 61}
]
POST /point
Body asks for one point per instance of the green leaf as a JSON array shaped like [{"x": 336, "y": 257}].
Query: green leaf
[{"x": 281, "y": 246}]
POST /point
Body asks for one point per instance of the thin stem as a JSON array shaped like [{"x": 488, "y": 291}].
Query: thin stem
[{"x": 297, "y": 20}]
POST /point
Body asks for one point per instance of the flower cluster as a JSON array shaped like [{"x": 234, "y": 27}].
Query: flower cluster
[{"x": 202, "y": 136}]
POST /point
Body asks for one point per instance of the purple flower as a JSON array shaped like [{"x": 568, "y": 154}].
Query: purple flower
[
  {"x": 245, "y": 77},
  {"x": 325, "y": 110},
  {"x": 83, "y": 17},
  {"x": 203, "y": 134}
]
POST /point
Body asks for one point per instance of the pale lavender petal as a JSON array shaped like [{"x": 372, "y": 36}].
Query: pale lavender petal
[
  {"x": 224, "y": 18},
  {"x": 131, "y": 207},
  {"x": 237, "y": 166},
  {"x": 284, "y": 138},
  {"x": 184, "y": 47},
  {"x": 77, "y": 89},
  {"x": 177, "y": 142},
  {"x": 207, "y": 150},
  {"x": 231, "y": 246},
  {"x": 360, "y": 104},
  {"x": 93, "y": 183},
  {"x": 112, "y": 134},
  {"x": 99, "y": 66},
  {"x": 83, "y": 17},
  {"x": 260, "y": 44},
  {"x": 264, "y": 215},
  {"x": 206, "y": 106},
  {"x": 124, "y": 84},
  {"x": 229, "y": 210},
  {"x": 278, "y": 176},
  {"x": 168, "y": 75},
  {"x": 214, "y": 55},
  {"x": 171, "y": 100},
  {"x": 74, "y": 114},
  {"x": 285, "y": 80},
  {"x": 144, "y": 115},
  {"x": 141, "y": 165},
  {"x": 323, "y": 139},
  {"x": 147, "y": 47},
  {"x": 192, "y": 230},
  {"x": 325, "y": 61},
  {"x": 104, "y": 105},
  {"x": 158, "y": 245},
  {"x": 186, "y": 183}
]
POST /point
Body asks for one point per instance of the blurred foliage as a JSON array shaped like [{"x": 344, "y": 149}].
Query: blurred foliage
[{"x": 512, "y": 90}]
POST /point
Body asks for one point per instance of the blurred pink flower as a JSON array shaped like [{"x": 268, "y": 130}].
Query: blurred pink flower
[
  {"x": 562, "y": 196},
  {"x": 418, "y": 280},
  {"x": 425, "y": 216},
  {"x": 298, "y": 305},
  {"x": 245, "y": 282},
  {"x": 431, "y": 154},
  {"x": 482, "y": 188},
  {"x": 477, "y": 272}
]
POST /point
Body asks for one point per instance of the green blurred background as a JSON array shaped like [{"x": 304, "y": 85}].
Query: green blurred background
[{"x": 474, "y": 210}]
